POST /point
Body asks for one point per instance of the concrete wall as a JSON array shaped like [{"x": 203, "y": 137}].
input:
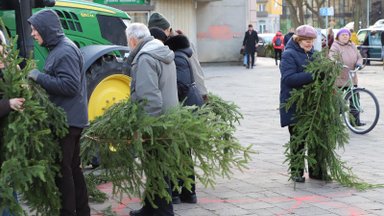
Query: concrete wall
[
  {"x": 181, "y": 14},
  {"x": 220, "y": 29}
]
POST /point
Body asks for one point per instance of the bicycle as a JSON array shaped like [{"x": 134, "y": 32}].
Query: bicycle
[{"x": 363, "y": 111}]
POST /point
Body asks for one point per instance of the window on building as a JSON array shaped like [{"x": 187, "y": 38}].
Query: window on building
[
  {"x": 261, "y": 7},
  {"x": 262, "y": 26}
]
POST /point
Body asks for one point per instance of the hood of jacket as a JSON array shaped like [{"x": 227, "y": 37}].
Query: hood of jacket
[
  {"x": 179, "y": 43},
  {"x": 47, "y": 23},
  {"x": 279, "y": 34},
  {"x": 157, "y": 50},
  {"x": 295, "y": 46}
]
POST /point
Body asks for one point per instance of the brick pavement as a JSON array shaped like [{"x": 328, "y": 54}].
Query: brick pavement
[{"x": 264, "y": 189}]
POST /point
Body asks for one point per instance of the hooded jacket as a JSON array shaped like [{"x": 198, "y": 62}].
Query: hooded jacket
[
  {"x": 154, "y": 76},
  {"x": 350, "y": 57},
  {"x": 281, "y": 46},
  {"x": 293, "y": 76},
  {"x": 62, "y": 78}
]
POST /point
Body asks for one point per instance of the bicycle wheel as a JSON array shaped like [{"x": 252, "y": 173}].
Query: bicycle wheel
[{"x": 363, "y": 111}]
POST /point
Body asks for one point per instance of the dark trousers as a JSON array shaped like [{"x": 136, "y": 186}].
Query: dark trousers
[
  {"x": 250, "y": 59},
  {"x": 278, "y": 55},
  {"x": 71, "y": 183},
  {"x": 315, "y": 171},
  {"x": 294, "y": 151},
  {"x": 164, "y": 208},
  {"x": 185, "y": 193}
]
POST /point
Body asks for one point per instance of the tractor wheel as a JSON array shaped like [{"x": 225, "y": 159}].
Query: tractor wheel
[{"x": 106, "y": 85}]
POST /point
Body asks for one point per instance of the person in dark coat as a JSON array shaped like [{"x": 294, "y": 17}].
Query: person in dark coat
[
  {"x": 250, "y": 44},
  {"x": 65, "y": 83},
  {"x": 6, "y": 106},
  {"x": 288, "y": 36},
  {"x": 183, "y": 52},
  {"x": 298, "y": 53},
  {"x": 382, "y": 45}
]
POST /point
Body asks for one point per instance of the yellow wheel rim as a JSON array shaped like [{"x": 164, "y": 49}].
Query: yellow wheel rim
[{"x": 109, "y": 91}]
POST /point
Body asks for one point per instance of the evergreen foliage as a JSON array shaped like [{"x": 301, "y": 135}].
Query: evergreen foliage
[
  {"x": 29, "y": 150},
  {"x": 320, "y": 126},
  {"x": 133, "y": 145}
]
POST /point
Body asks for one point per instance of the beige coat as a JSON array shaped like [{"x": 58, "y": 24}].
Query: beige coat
[{"x": 350, "y": 56}]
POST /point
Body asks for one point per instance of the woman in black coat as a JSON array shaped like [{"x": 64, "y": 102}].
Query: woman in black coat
[{"x": 181, "y": 46}]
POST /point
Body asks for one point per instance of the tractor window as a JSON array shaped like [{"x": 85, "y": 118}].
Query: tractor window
[
  {"x": 113, "y": 29},
  {"x": 69, "y": 21}
]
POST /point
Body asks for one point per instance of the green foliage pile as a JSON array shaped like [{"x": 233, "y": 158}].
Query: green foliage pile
[
  {"x": 29, "y": 147},
  {"x": 320, "y": 125},
  {"x": 138, "y": 150}
]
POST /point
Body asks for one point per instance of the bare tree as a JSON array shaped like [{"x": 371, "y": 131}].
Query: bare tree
[
  {"x": 315, "y": 9},
  {"x": 296, "y": 10},
  {"x": 358, "y": 12}
]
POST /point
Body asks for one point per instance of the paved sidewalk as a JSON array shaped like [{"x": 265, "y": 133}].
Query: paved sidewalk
[{"x": 264, "y": 189}]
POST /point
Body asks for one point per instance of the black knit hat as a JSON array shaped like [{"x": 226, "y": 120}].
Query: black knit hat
[
  {"x": 158, "y": 33},
  {"x": 158, "y": 20}
]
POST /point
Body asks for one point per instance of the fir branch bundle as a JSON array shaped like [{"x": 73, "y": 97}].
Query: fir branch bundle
[
  {"x": 133, "y": 145},
  {"x": 29, "y": 151},
  {"x": 320, "y": 126}
]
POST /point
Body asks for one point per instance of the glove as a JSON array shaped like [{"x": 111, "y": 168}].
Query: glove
[{"x": 33, "y": 74}]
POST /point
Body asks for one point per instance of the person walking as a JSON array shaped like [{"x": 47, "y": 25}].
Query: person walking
[
  {"x": 345, "y": 51},
  {"x": 6, "y": 106},
  {"x": 298, "y": 53},
  {"x": 278, "y": 45},
  {"x": 250, "y": 44},
  {"x": 65, "y": 83},
  {"x": 153, "y": 74}
]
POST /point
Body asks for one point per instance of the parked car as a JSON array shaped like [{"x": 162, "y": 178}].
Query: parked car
[
  {"x": 373, "y": 37},
  {"x": 265, "y": 48}
]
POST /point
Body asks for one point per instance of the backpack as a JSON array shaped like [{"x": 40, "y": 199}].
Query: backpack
[{"x": 278, "y": 41}]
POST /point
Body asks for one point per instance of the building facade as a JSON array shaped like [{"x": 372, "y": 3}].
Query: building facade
[{"x": 268, "y": 15}]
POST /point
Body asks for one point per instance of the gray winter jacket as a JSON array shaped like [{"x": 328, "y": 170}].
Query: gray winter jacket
[
  {"x": 62, "y": 78},
  {"x": 154, "y": 77}
]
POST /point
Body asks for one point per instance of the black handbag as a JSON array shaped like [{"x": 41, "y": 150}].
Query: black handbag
[{"x": 188, "y": 93}]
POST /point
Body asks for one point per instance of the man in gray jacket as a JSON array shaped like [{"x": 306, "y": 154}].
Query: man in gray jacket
[
  {"x": 66, "y": 86},
  {"x": 153, "y": 81}
]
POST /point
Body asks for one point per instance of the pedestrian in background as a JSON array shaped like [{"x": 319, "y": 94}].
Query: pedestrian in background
[
  {"x": 288, "y": 36},
  {"x": 154, "y": 81},
  {"x": 65, "y": 82},
  {"x": 250, "y": 44},
  {"x": 278, "y": 45},
  {"x": 6, "y": 106},
  {"x": 298, "y": 53},
  {"x": 382, "y": 45},
  {"x": 345, "y": 51},
  {"x": 354, "y": 38}
]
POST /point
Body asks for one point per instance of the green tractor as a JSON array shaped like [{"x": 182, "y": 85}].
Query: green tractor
[{"x": 97, "y": 29}]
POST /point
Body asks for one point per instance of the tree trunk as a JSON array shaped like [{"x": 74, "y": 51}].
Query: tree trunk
[
  {"x": 296, "y": 10},
  {"x": 357, "y": 15}
]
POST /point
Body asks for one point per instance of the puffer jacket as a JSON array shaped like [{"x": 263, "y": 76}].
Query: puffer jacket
[
  {"x": 350, "y": 56},
  {"x": 293, "y": 76},
  {"x": 63, "y": 78},
  {"x": 154, "y": 76}
]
